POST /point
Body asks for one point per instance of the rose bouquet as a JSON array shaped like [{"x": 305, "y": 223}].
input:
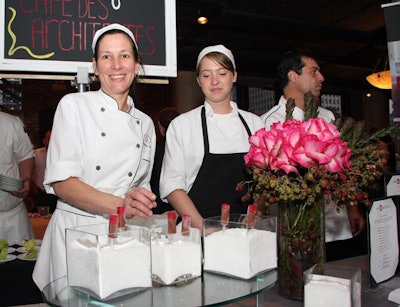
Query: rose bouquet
[
  {"x": 295, "y": 164},
  {"x": 303, "y": 160},
  {"x": 298, "y": 160}
]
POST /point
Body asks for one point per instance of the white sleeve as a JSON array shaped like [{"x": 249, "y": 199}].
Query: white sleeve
[
  {"x": 65, "y": 148},
  {"x": 173, "y": 167}
]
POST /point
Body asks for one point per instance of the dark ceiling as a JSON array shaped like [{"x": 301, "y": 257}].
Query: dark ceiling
[{"x": 347, "y": 36}]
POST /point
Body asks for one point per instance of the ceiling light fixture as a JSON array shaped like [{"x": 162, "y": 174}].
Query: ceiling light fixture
[
  {"x": 381, "y": 79},
  {"x": 202, "y": 19}
]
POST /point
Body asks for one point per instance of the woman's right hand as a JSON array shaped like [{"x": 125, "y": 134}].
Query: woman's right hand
[{"x": 139, "y": 201}]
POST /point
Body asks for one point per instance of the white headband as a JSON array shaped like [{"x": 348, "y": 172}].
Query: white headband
[
  {"x": 114, "y": 26},
  {"x": 217, "y": 48}
]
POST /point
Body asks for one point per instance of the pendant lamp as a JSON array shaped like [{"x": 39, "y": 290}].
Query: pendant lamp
[{"x": 381, "y": 79}]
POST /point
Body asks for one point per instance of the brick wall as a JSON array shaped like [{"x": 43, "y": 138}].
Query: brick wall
[{"x": 39, "y": 101}]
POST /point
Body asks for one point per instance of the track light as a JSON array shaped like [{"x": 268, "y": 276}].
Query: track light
[{"x": 202, "y": 19}]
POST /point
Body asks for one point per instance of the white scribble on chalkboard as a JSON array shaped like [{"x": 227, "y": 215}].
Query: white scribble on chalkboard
[{"x": 116, "y": 4}]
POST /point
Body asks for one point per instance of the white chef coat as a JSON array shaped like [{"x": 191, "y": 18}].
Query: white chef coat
[
  {"x": 184, "y": 148},
  {"x": 337, "y": 225},
  {"x": 278, "y": 114},
  {"x": 15, "y": 147},
  {"x": 104, "y": 147}
]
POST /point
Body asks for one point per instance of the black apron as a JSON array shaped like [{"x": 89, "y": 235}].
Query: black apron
[{"x": 218, "y": 176}]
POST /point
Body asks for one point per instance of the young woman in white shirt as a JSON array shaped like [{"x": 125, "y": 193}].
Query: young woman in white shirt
[{"x": 203, "y": 160}]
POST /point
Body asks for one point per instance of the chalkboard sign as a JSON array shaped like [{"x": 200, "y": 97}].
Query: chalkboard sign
[{"x": 56, "y": 36}]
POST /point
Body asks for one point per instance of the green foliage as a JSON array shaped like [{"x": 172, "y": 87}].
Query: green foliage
[
  {"x": 3, "y": 249},
  {"x": 30, "y": 247}
]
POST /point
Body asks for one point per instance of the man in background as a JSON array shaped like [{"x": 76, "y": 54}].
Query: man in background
[
  {"x": 16, "y": 168},
  {"x": 299, "y": 74}
]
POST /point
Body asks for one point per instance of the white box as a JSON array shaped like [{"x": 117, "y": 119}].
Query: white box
[
  {"x": 332, "y": 285},
  {"x": 106, "y": 267},
  {"x": 238, "y": 250},
  {"x": 175, "y": 257}
]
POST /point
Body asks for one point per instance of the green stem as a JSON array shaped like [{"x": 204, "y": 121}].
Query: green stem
[{"x": 299, "y": 215}]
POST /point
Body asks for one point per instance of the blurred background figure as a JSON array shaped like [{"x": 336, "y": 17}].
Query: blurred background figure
[
  {"x": 16, "y": 162},
  {"x": 164, "y": 117},
  {"x": 40, "y": 196}
]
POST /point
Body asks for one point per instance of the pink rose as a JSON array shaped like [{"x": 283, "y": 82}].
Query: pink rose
[
  {"x": 256, "y": 157},
  {"x": 292, "y": 144},
  {"x": 323, "y": 130}
]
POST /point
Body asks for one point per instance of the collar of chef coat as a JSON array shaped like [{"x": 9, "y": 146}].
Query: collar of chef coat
[
  {"x": 210, "y": 110},
  {"x": 114, "y": 103}
]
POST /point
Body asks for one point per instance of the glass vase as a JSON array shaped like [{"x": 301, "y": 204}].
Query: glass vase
[{"x": 301, "y": 244}]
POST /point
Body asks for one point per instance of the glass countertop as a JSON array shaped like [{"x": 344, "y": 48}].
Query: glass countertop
[{"x": 206, "y": 290}]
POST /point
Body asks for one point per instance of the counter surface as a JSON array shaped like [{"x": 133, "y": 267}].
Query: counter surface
[{"x": 255, "y": 292}]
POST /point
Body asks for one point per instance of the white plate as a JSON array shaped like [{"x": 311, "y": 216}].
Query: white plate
[
  {"x": 22, "y": 249},
  {"x": 10, "y": 250},
  {"x": 10, "y": 184},
  {"x": 38, "y": 242},
  {"x": 22, "y": 257},
  {"x": 10, "y": 257}
]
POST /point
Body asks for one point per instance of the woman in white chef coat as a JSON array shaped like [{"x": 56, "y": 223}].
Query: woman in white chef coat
[
  {"x": 101, "y": 151},
  {"x": 203, "y": 160}
]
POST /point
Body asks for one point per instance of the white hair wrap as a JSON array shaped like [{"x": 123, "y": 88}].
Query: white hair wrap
[
  {"x": 114, "y": 26},
  {"x": 217, "y": 48}
]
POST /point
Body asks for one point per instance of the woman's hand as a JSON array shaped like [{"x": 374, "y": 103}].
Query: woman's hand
[{"x": 139, "y": 201}]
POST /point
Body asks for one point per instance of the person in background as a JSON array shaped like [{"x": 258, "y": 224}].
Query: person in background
[
  {"x": 16, "y": 162},
  {"x": 203, "y": 160},
  {"x": 101, "y": 151},
  {"x": 164, "y": 117},
  {"x": 41, "y": 197},
  {"x": 298, "y": 74}
]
